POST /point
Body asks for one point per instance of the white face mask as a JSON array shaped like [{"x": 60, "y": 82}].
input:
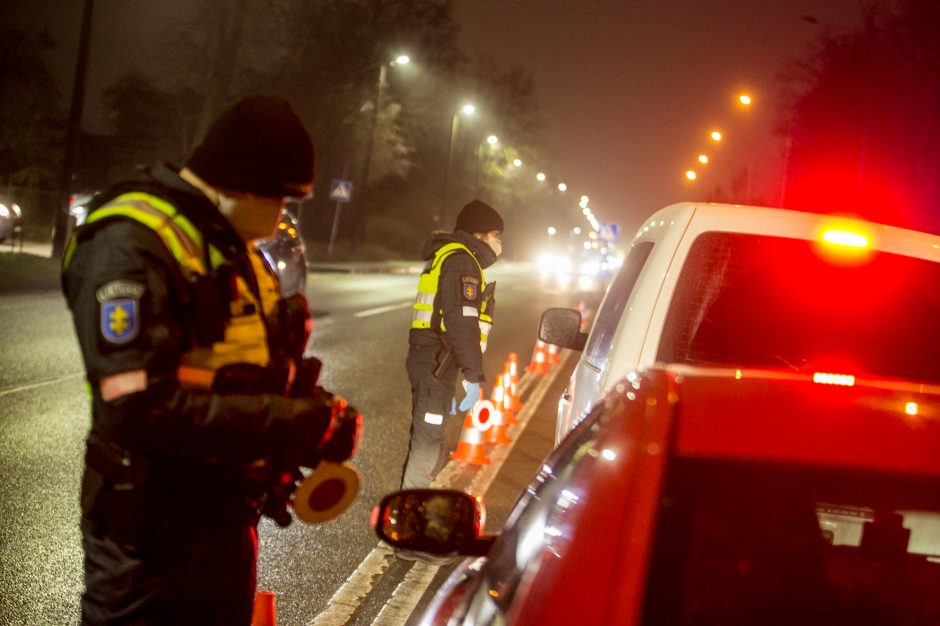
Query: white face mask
[
  {"x": 494, "y": 241},
  {"x": 252, "y": 217}
]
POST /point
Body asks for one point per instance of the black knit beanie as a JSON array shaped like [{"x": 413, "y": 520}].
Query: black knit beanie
[
  {"x": 258, "y": 146},
  {"x": 479, "y": 217}
]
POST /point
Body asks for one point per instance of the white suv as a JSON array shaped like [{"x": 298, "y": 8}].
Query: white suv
[{"x": 749, "y": 287}]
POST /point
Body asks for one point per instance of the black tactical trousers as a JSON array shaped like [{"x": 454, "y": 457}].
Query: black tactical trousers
[
  {"x": 202, "y": 574},
  {"x": 431, "y": 401}
]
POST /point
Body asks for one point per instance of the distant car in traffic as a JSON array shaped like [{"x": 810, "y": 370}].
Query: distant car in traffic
[
  {"x": 699, "y": 496},
  {"x": 11, "y": 219},
  {"x": 729, "y": 285},
  {"x": 576, "y": 271},
  {"x": 283, "y": 251}
]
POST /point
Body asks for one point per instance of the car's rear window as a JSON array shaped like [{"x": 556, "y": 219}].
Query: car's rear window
[
  {"x": 739, "y": 545},
  {"x": 611, "y": 311},
  {"x": 748, "y": 300}
]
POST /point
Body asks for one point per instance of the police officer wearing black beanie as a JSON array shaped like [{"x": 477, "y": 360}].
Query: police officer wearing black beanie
[
  {"x": 451, "y": 319},
  {"x": 188, "y": 348}
]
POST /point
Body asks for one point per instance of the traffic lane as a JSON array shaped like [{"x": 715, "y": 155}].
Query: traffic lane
[
  {"x": 37, "y": 340},
  {"x": 364, "y": 360},
  {"x": 42, "y": 433},
  {"x": 518, "y": 471}
]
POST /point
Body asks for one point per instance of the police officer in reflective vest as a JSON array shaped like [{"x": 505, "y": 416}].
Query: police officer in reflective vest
[
  {"x": 203, "y": 407},
  {"x": 453, "y": 313}
]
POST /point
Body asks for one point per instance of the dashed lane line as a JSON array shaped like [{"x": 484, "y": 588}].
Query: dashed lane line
[
  {"x": 383, "y": 309},
  {"x": 43, "y": 383}
]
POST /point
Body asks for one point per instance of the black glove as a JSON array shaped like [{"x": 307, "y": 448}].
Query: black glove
[{"x": 342, "y": 440}]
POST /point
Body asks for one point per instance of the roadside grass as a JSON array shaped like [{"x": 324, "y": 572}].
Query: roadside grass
[{"x": 23, "y": 272}]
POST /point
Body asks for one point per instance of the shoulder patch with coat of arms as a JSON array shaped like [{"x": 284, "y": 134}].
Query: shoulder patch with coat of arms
[
  {"x": 470, "y": 287},
  {"x": 119, "y": 311}
]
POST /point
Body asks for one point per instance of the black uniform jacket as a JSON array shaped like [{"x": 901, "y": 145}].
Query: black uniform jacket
[
  {"x": 462, "y": 330},
  {"x": 165, "y": 421}
]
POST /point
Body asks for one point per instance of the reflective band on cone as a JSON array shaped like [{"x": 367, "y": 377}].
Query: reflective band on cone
[
  {"x": 539, "y": 365},
  {"x": 327, "y": 492},
  {"x": 553, "y": 354},
  {"x": 497, "y": 432},
  {"x": 470, "y": 448},
  {"x": 481, "y": 414}
]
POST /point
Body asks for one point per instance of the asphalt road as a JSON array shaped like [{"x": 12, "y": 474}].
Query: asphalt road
[{"x": 317, "y": 571}]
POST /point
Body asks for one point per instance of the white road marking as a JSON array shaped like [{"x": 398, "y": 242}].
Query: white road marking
[
  {"x": 382, "y": 309},
  {"x": 350, "y": 595},
  {"x": 399, "y": 607},
  {"x": 406, "y": 596},
  {"x": 53, "y": 381}
]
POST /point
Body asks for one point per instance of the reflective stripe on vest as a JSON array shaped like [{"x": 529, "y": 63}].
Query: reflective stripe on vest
[
  {"x": 423, "y": 307},
  {"x": 245, "y": 335}
]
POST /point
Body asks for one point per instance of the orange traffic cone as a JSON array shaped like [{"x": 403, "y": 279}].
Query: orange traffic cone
[
  {"x": 500, "y": 422},
  {"x": 502, "y": 401},
  {"x": 510, "y": 401},
  {"x": 514, "y": 381},
  {"x": 583, "y": 310},
  {"x": 539, "y": 365},
  {"x": 264, "y": 611},
  {"x": 470, "y": 448},
  {"x": 553, "y": 354}
]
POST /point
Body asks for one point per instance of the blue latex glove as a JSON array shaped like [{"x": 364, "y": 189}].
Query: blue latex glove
[{"x": 473, "y": 394}]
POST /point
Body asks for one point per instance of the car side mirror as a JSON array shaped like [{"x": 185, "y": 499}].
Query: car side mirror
[
  {"x": 562, "y": 327},
  {"x": 437, "y": 521}
]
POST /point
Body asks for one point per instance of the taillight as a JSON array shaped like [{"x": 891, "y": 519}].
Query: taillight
[
  {"x": 825, "y": 378},
  {"x": 847, "y": 238}
]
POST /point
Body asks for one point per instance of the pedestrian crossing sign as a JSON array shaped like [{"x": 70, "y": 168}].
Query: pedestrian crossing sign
[{"x": 341, "y": 190}]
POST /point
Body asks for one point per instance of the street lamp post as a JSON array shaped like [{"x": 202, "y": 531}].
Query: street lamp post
[
  {"x": 377, "y": 105},
  {"x": 492, "y": 140},
  {"x": 467, "y": 109}
]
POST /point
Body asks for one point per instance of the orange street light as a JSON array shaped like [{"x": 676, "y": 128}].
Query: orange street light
[
  {"x": 716, "y": 135},
  {"x": 744, "y": 99},
  {"x": 703, "y": 159},
  {"x": 691, "y": 175}
]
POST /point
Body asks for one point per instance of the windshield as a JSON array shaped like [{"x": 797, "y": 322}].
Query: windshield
[{"x": 770, "y": 302}]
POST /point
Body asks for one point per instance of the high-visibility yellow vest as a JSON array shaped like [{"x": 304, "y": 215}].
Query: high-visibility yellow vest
[
  {"x": 245, "y": 335},
  {"x": 424, "y": 313}
]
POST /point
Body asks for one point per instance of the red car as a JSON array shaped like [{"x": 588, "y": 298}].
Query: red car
[{"x": 708, "y": 497}]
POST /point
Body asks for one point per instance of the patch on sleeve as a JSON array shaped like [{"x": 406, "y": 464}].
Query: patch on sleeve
[
  {"x": 470, "y": 287},
  {"x": 119, "y": 319}
]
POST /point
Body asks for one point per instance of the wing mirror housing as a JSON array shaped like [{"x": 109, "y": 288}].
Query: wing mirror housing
[
  {"x": 436, "y": 521},
  {"x": 562, "y": 327}
]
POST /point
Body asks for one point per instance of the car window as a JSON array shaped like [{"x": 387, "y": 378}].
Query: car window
[
  {"x": 532, "y": 526},
  {"x": 737, "y": 545},
  {"x": 771, "y": 302},
  {"x": 608, "y": 317}
]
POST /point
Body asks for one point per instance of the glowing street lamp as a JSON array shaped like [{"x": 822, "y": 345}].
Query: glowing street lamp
[
  {"x": 492, "y": 140},
  {"x": 715, "y": 135},
  {"x": 540, "y": 177},
  {"x": 552, "y": 230},
  {"x": 584, "y": 201},
  {"x": 744, "y": 99},
  {"x": 562, "y": 187},
  {"x": 517, "y": 162},
  {"x": 703, "y": 159},
  {"x": 691, "y": 175}
]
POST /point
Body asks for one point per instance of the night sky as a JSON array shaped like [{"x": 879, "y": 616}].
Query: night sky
[
  {"x": 627, "y": 90},
  {"x": 630, "y": 89}
]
